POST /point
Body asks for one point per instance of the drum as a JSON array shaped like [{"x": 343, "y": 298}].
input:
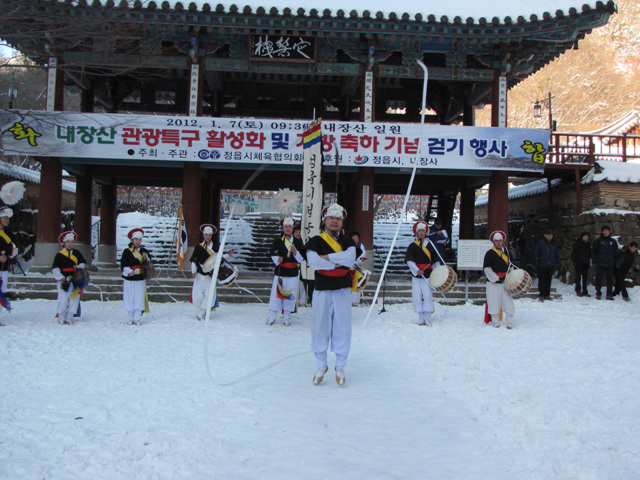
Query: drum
[
  {"x": 148, "y": 270},
  {"x": 210, "y": 263},
  {"x": 363, "y": 280},
  {"x": 227, "y": 274},
  {"x": 518, "y": 282},
  {"x": 443, "y": 278},
  {"x": 80, "y": 278}
]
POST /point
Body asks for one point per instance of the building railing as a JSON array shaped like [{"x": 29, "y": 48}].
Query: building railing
[{"x": 584, "y": 149}]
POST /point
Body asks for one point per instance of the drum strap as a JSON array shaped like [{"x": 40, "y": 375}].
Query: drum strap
[
  {"x": 206, "y": 247},
  {"x": 5, "y": 237},
  {"x": 69, "y": 255},
  {"x": 501, "y": 255},
  {"x": 136, "y": 254},
  {"x": 424, "y": 249}
]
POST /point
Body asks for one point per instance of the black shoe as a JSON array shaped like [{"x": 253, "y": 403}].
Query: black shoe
[
  {"x": 548, "y": 298},
  {"x": 579, "y": 293},
  {"x": 609, "y": 297},
  {"x": 585, "y": 294},
  {"x": 598, "y": 296},
  {"x": 626, "y": 299}
]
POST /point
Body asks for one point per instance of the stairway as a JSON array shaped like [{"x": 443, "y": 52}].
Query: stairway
[{"x": 250, "y": 287}]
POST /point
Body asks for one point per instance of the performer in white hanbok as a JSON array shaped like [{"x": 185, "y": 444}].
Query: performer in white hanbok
[
  {"x": 134, "y": 289},
  {"x": 356, "y": 296},
  {"x": 421, "y": 258},
  {"x": 496, "y": 266},
  {"x": 65, "y": 264},
  {"x": 331, "y": 255},
  {"x": 202, "y": 279},
  {"x": 286, "y": 255}
]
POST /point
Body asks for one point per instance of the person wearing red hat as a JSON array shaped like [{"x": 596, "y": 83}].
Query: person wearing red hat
[
  {"x": 202, "y": 279},
  {"x": 65, "y": 264},
  {"x": 421, "y": 257},
  {"x": 286, "y": 254},
  {"x": 134, "y": 288},
  {"x": 331, "y": 254},
  {"x": 496, "y": 265}
]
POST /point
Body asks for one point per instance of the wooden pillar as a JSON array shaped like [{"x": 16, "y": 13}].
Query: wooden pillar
[
  {"x": 50, "y": 197},
  {"x": 363, "y": 212},
  {"x": 498, "y": 207},
  {"x": 467, "y": 213},
  {"x": 107, "y": 249},
  {"x": 82, "y": 218},
  {"x": 191, "y": 189},
  {"x": 578, "y": 193},
  {"x": 215, "y": 208},
  {"x": 49, "y": 211}
]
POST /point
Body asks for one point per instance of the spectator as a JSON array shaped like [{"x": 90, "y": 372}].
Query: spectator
[
  {"x": 625, "y": 258},
  {"x": 604, "y": 251},
  {"x": 581, "y": 257},
  {"x": 439, "y": 238},
  {"x": 547, "y": 258}
]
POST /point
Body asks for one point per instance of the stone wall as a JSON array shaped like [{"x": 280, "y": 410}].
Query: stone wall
[{"x": 604, "y": 203}]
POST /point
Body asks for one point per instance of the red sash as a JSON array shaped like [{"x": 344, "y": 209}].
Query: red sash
[
  {"x": 336, "y": 272},
  {"x": 423, "y": 266},
  {"x": 289, "y": 265}
]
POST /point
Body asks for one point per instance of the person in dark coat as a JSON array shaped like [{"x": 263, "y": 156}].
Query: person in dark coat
[
  {"x": 604, "y": 251},
  {"x": 581, "y": 257},
  {"x": 625, "y": 259},
  {"x": 547, "y": 258}
]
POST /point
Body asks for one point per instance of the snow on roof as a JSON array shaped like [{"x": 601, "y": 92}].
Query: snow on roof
[
  {"x": 24, "y": 174},
  {"x": 532, "y": 188},
  {"x": 620, "y": 126},
  {"x": 626, "y": 172},
  {"x": 452, "y": 8}
]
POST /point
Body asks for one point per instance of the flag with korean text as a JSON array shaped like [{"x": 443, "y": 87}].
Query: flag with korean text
[{"x": 312, "y": 194}]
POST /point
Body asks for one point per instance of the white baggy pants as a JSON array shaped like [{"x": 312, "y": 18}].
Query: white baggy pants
[{"x": 331, "y": 321}]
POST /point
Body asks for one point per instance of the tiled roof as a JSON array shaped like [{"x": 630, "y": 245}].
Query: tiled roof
[{"x": 452, "y": 11}]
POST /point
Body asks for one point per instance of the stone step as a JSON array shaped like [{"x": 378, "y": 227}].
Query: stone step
[{"x": 249, "y": 288}]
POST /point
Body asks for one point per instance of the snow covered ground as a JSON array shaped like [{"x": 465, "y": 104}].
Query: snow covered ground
[{"x": 558, "y": 397}]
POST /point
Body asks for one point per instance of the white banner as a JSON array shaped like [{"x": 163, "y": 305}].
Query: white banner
[
  {"x": 279, "y": 142},
  {"x": 312, "y": 194}
]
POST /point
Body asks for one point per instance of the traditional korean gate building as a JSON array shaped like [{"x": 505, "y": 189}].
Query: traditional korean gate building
[{"x": 203, "y": 60}]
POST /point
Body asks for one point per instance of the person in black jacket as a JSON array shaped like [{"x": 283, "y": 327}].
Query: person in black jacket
[
  {"x": 581, "y": 257},
  {"x": 625, "y": 259},
  {"x": 604, "y": 250},
  {"x": 547, "y": 257},
  {"x": 331, "y": 254}
]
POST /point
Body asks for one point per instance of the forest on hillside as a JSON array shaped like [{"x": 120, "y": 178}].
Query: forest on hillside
[{"x": 591, "y": 87}]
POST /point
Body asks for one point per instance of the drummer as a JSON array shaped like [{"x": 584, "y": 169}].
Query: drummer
[
  {"x": 134, "y": 288},
  {"x": 202, "y": 279},
  {"x": 421, "y": 257},
  {"x": 287, "y": 257},
  {"x": 496, "y": 266},
  {"x": 65, "y": 264}
]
